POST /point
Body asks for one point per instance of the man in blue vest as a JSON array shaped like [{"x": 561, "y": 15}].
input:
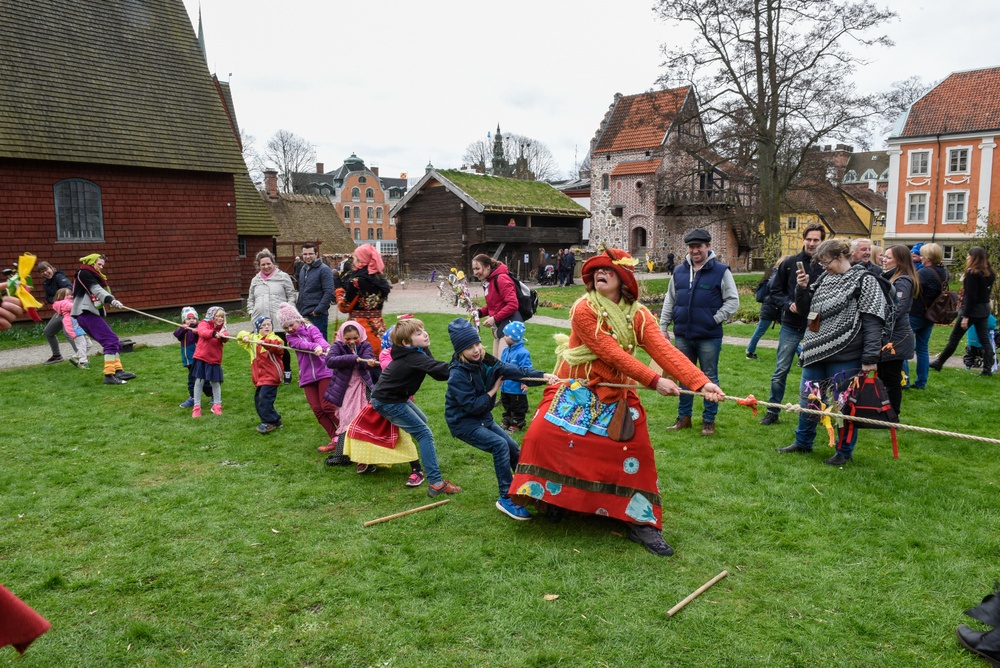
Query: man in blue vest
[{"x": 702, "y": 295}]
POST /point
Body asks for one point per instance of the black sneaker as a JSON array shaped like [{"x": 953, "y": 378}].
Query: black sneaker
[
  {"x": 751, "y": 356},
  {"x": 121, "y": 374},
  {"x": 837, "y": 460},
  {"x": 55, "y": 359},
  {"x": 795, "y": 447},
  {"x": 111, "y": 379},
  {"x": 650, "y": 538},
  {"x": 769, "y": 418}
]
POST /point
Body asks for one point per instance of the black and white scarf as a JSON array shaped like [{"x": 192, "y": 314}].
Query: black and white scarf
[{"x": 839, "y": 303}]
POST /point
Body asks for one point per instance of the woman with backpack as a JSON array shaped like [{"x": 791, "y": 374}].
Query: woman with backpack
[
  {"x": 898, "y": 270},
  {"x": 932, "y": 278},
  {"x": 768, "y": 311},
  {"x": 501, "y": 297},
  {"x": 847, "y": 309},
  {"x": 974, "y": 310}
]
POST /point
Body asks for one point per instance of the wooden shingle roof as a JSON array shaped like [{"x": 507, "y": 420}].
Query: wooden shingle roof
[
  {"x": 253, "y": 216},
  {"x": 641, "y": 121},
  {"x": 114, "y": 82},
  {"x": 964, "y": 102},
  {"x": 311, "y": 218}
]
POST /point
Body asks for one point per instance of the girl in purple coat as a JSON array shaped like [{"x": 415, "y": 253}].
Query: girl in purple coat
[
  {"x": 351, "y": 359},
  {"x": 314, "y": 377}
]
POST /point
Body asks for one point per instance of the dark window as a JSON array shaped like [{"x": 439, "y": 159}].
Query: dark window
[
  {"x": 362, "y": 179},
  {"x": 356, "y": 194},
  {"x": 605, "y": 181},
  {"x": 241, "y": 243},
  {"x": 79, "y": 216},
  {"x": 357, "y": 233},
  {"x": 371, "y": 232},
  {"x": 378, "y": 214},
  {"x": 369, "y": 195},
  {"x": 378, "y": 233},
  {"x": 792, "y": 222},
  {"x": 371, "y": 214}
]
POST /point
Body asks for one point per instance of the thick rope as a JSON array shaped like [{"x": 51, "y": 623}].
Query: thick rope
[{"x": 753, "y": 403}]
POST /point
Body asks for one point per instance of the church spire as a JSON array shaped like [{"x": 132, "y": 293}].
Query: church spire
[{"x": 201, "y": 36}]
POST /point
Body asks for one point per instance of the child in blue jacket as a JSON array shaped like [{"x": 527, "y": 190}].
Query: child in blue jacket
[
  {"x": 473, "y": 381},
  {"x": 187, "y": 334},
  {"x": 514, "y": 393}
]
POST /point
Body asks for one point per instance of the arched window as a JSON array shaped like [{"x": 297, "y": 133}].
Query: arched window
[
  {"x": 362, "y": 179},
  {"x": 357, "y": 234},
  {"x": 371, "y": 233},
  {"x": 371, "y": 214},
  {"x": 370, "y": 195},
  {"x": 378, "y": 234},
  {"x": 851, "y": 176},
  {"x": 355, "y": 194},
  {"x": 357, "y": 214},
  {"x": 79, "y": 216},
  {"x": 378, "y": 214}
]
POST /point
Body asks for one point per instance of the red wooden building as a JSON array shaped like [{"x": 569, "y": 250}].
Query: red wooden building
[{"x": 115, "y": 139}]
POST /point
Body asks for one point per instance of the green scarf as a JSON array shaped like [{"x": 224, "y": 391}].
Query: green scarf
[{"x": 619, "y": 317}]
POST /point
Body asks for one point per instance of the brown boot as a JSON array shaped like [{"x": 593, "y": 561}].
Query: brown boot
[
  {"x": 682, "y": 423},
  {"x": 707, "y": 428}
]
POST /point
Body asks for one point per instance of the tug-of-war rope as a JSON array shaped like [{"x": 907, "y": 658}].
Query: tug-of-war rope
[{"x": 753, "y": 403}]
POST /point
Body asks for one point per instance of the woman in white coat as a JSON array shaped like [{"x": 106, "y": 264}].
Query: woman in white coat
[{"x": 268, "y": 289}]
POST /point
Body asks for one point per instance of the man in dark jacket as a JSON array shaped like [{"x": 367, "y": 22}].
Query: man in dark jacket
[
  {"x": 315, "y": 288},
  {"x": 55, "y": 280},
  {"x": 568, "y": 265},
  {"x": 793, "y": 323},
  {"x": 702, "y": 295}
]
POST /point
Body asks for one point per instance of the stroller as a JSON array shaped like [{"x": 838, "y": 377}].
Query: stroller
[{"x": 547, "y": 276}]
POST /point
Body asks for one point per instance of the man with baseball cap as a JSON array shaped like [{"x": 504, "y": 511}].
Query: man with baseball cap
[{"x": 702, "y": 295}]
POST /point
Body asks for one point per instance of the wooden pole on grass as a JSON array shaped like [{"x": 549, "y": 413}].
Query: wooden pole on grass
[
  {"x": 406, "y": 512},
  {"x": 696, "y": 593}
]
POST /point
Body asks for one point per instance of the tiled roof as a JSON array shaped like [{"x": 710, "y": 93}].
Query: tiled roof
[
  {"x": 866, "y": 196},
  {"x": 877, "y": 161},
  {"x": 641, "y": 121},
  {"x": 641, "y": 167},
  {"x": 253, "y": 217},
  {"x": 311, "y": 218},
  {"x": 829, "y": 204},
  {"x": 964, "y": 102},
  {"x": 116, "y": 83}
]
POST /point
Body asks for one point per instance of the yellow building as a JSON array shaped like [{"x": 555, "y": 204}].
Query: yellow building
[{"x": 843, "y": 215}]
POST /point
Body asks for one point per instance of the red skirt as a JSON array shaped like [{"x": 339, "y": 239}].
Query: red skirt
[{"x": 589, "y": 473}]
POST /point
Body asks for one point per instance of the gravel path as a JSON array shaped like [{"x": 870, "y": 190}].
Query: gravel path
[{"x": 419, "y": 297}]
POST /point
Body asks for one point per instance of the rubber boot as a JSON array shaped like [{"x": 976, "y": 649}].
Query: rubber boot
[
  {"x": 988, "y": 611},
  {"x": 985, "y": 644}
]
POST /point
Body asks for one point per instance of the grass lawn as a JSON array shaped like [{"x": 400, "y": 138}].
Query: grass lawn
[{"x": 149, "y": 538}]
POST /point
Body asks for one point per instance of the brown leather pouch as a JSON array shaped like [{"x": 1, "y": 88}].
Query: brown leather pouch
[
  {"x": 621, "y": 427},
  {"x": 814, "y": 323}
]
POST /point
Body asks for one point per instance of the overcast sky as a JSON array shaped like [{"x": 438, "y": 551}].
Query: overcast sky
[{"x": 404, "y": 82}]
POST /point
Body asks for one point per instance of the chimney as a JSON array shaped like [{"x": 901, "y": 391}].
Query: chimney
[
  {"x": 319, "y": 168},
  {"x": 375, "y": 170},
  {"x": 271, "y": 183}
]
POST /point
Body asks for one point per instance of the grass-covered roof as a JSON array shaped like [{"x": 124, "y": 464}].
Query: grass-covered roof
[{"x": 498, "y": 194}]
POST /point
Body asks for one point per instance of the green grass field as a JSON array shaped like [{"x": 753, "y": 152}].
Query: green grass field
[{"x": 148, "y": 538}]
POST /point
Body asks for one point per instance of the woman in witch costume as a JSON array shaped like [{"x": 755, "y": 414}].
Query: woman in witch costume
[
  {"x": 91, "y": 297},
  {"x": 580, "y": 457},
  {"x": 365, "y": 291}
]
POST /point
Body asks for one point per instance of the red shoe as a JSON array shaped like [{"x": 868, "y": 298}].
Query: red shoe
[
  {"x": 444, "y": 487},
  {"x": 329, "y": 447}
]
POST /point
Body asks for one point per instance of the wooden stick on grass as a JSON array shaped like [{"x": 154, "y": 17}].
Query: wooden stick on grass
[
  {"x": 696, "y": 593},
  {"x": 406, "y": 512}
]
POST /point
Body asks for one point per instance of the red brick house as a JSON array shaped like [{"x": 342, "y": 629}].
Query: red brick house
[
  {"x": 653, "y": 178},
  {"x": 114, "y": 138},
  {"x": 944, "y": 169}
]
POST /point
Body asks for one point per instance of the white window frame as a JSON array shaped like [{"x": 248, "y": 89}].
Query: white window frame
[
  {"x": 909, "y": 161},
  {"x": 968, "y": 160},
  {"x": 927, "y": 199},
  {"x": 965, "y": 206}
]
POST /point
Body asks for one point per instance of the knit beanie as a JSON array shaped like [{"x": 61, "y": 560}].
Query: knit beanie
[
  {"x": 186, "y": 311},
  {"x": 515, "y": 330},
  {"x": 260, "y": 321},
  {"x": 288, "y": 315},
  {"x": 463, "y": 335}
]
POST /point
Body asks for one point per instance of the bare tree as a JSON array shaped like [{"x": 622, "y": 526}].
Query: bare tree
[
  {"x": 525, "y": 158},
  {"x": 773, "y": 77},
  {"x": 898, "y": 99},
  {"x": 251, "y": 156},
  {"x": 288, "y": 153}
]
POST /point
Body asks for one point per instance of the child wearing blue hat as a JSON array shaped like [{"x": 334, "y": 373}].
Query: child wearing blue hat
[
  {"x": 474, "y": 378},
  {"x": 514, "y": 393},
  {"x": 266, "y": 369}
]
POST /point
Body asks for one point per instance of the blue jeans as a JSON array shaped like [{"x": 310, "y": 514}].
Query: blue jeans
[
  {"x": 264, "y": 401},
  {"x": 823, "y": 373},
  {"x": 922, "y": 337},
  {"x": 493, "y": 439},
  {"x": 321, "y": 322},
  {"x": 412, "y": 420},
  {"x": 788, "y": 343},
  {"x": 762, "y": 327},
  {"x": 704, "y": 353}
]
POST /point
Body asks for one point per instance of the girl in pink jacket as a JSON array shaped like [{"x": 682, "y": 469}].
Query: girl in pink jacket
[{"x": 63, "y": 305}]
